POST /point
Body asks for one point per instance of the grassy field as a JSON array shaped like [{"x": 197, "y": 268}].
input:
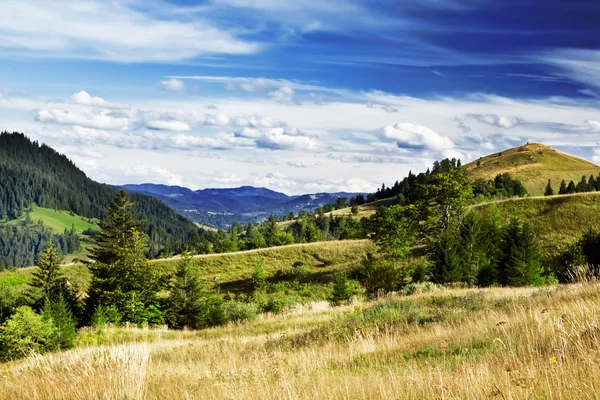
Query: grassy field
[
  {"x": 556, "y": 220},
  {"x": 58, "y": 220},
  {"x": 233, "y": 270},
  {"x": 496, "y": 343},
  {"x": 533, "y": 164}
]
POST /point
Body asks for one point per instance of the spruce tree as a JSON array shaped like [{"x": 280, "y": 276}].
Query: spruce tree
[
  {"x": 592, "y": 184},
  {"x": 582, "y": 186},
  {"x": 549, "y": 191},
  {"x": 563, "y": 187},
  {"x": 571, "y": 188},
  {"x": 48, "y": 278},
  {"x": 121, "y": 275},
  {"x": 520, "y": 262},
  {"x": 57, "y": 312},
  {"x": 185, "y": 299}
]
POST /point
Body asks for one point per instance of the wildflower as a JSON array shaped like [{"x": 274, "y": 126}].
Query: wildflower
[{"x": 552, "y": 361}]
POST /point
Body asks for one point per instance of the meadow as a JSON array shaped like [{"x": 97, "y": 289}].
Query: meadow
[{"x": 502, "y": 343}]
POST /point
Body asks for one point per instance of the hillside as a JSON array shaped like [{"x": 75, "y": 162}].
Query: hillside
[
  {"x": 57, "y": 220},
  {"x": 219, "y": 208},
  {"x": 31, "y": 173},
  {"x": 533, "y": 164},
  {"x": 496, "y": 343},
  {"x": 233, "y": 270},
  {"x": 556, "y": 220}
]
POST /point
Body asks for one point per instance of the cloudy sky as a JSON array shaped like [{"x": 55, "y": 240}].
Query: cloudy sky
[{"x": 297, "y": 96}]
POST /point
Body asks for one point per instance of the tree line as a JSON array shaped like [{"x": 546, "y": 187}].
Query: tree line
[{"x": 591, "y": 184}]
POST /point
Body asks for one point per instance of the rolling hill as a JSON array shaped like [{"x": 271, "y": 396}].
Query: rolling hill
[
  {"x": 533, "y": 164},
  {"x": 221, "y": 207}
]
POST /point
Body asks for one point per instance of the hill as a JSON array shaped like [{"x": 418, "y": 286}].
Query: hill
[
  {"x": 533, "y": 164},
  {"x": 31, "y": 173},
  {"x": 219, "y": 208},
  {"x": 56, "y": 220},
  {"x": 556, "y": 220},
  {"x": 233, "y": 270},
  {"x": 497, "y": 343}
]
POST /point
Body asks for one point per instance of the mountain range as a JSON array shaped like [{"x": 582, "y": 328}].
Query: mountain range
[{"x": 219, "y": 208}]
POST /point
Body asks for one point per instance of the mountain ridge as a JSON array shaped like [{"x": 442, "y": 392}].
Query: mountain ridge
[{"x": 242, "y": 204}]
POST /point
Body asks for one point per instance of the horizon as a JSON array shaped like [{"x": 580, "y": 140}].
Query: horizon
[{"x": 297, "y": 98}]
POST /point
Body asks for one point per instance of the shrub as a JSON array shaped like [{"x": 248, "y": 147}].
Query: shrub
[
  {"x": 236, "y": 311},
  {"x": 213, "y": 311},
  {"x": 344, "y": 290},
  {"x": 58, "y": 313},
  {"x": 106, "y": 315},
  {"x": 25, "y": 332},
  {"x": 258, "y": 276},
  {"x": 378, "y": 274}
]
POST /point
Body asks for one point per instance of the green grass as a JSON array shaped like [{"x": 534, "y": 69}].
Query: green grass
[
  {"x": 58, "y": 220},
  {"x": 557, "y": 221},
  {"x": 234, "y": 270},
  {"x": 533, "y": 164}
]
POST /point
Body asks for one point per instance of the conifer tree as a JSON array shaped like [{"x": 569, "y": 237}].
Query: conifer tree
[
  {"x": 48, "y": 277},
  {"x": 549, "y": 191},
  {"x": 65, "y": 332},
  {"x": 582, "y": 186},
  {"x": 121, "y": 275},
  {"x": 571, "y": 188},
  {"x": 563, "y": 187},
  {"x": 592, "y": 184},
  {"x": 520, "y": 262},
  {"x": 185, "y": 298}
]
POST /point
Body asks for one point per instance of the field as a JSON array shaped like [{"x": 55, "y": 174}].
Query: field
[
  {"x": 533, "y": 164},
  {"x": 58, "y": 220},
  {"x": 446, "y": 344}
]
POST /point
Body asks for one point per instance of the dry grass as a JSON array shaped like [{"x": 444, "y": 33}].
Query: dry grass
[
  {"x": 533, "y": 164},
  {"x": 534, "y": 343}
]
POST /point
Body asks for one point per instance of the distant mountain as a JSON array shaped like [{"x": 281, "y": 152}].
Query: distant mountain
[
  {"x": 34, "y": 173},
  {"x": 221, "y": 207}
]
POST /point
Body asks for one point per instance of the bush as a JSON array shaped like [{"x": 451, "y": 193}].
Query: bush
[
  {"x": 236, "y": 311},
  {"x": 344, "y": 290},
  {"x": 378, "y": 274},
  {"x": 213, "y": 311},
  {"x": 26, "y": 332},
  {"x": 259, "y": 278},
  {"x": 106, "y": 315}
]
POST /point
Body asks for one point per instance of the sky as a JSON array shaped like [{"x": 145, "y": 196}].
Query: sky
[{"x": 297, "y": 96}]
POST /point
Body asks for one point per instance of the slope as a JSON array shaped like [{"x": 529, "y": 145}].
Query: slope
[
  {"x": 34, "y": 173},
  {"x": 533, "y": 164}
]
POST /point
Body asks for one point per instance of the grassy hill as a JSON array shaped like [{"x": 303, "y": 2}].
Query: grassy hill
[
  {"x": 58, "y": 220},
  {"x": 497, "y": 343},
  {"x": 533, "y": 164},
  {"x": 234, "y": 270},
  {"x": 557, "y": 220}
]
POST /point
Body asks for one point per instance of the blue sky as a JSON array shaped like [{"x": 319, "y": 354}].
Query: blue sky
[{"x": 297, "y": 96}]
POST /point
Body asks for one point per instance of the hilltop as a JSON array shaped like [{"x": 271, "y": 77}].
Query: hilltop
[{"x": 533, "y": 164}]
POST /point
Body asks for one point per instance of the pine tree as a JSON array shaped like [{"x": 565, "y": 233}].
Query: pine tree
[
  {"x": 563, "y": 187},
  {"x": 185, "y": 298},
  {"x": 520, "y": 263},
  {"x": 121, "y": 275},
  {"x": 446, "y": 258},
  {"x": 65, "y": 333},
  {"x": 549, "y": 191},
  {"x": 582, "y": 186},
  {"x": 571, "y": 188},
  {"x": 592, "y": 184},
  {"x": 48, "y": 277}
]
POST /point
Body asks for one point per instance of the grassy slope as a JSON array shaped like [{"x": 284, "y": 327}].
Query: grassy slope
[
  {"x": 452, "y": 344},
  {"x": 533, "y": 164},
  {"x": 557, "y": 220},
  {"x": 235, "y": 269},
  {"x": 58, "y": 221}
]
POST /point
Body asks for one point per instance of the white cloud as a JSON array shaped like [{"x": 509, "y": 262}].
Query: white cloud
[
  {"x": 172, "y": 85},
  {"x": 89, "y": 118},
  {"x": 500, "y": 121},
  {"x": 85, "y": 99},
  {"x": 109, "y": 30},
  {"x": 284, "y": 95},
  {"x": 277, "y": 138},
  {"x": 596, "y": 156},
  {"x": 594, "y": 125},
  {"x": 582, "y": 65},
  {"x": 411, "y": 135},
  {"x": 255, "y": 85},
  {"x": 178, "y": 126}
]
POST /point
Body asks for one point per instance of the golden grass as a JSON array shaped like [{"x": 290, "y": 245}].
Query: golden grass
[
  {"x": 538, "y": 343},
  {"x": 533, "y": 164}
]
